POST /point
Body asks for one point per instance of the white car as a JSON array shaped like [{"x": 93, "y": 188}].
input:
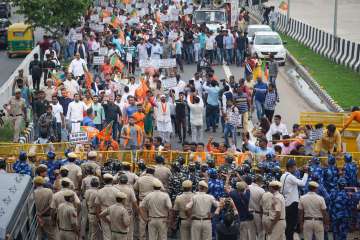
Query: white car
[
  {"x": 252, "y": 29},
  {"x": 269, "y": 43}
]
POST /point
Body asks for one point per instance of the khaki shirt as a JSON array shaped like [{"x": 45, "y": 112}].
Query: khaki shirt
[
  {"x": 180, "y": 203},
  {"x": 312, "y": 204},
  {"x": 201, "y": 204},
  {"x": 132, "y": 177},
  {"x": 118, "y": 216},
  {"x": 163, "y": 173},
  {"x": 58, "y": 198},
  {"x": 16, "y": 106},
  {"x": 90, "y": 196},
  {"x": 92, "y": 164},
  {"x": 278, "y": 205},
  {"x": 129, "y": 191},
  {"x": 144, "y": 185},
  {"x": 256, "y": 194},
  {"x": 67, "y": 216},
  {"x": 72, "y": 186},
  {"x": 157, "y": 204},
  {"x": 43, "y": 198},
  {"x": 75, "y": 173},
  {"x": 86, "y": 182},
  {"x": 106, "y": 196},
  {"x": 266, "y": 202}
]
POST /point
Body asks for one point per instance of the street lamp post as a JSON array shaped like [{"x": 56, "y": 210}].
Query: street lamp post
[
  {"x": 336, "y": 4},
  {"x": 288, "y": 11}
]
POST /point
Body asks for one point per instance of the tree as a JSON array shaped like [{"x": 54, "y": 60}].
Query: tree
[{"x": 55, "y": 16}]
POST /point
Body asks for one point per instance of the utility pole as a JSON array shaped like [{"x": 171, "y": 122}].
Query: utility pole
[
  {"x": 288, "y": 11},
  {"x": 336, "y": 4}
]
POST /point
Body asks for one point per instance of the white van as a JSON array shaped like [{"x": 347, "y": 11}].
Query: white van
[{"x": 265, "y": 44}]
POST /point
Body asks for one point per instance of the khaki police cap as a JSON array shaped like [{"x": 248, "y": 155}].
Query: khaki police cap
[
  {"x": 241, "y": 185},
  {"x": 32, "y": 154},
  {"x": 120, "y": 195},
  {"x": 313, "y": 184},
  {"x": 68, "y": 193},
  {"x": 187, "y": 184},
  {"x": 72, "y": 155},
  {"x": 203, "y": 184},
  {"x": 17, "y": 90},
  {"x": 157, "y": 183},
  {"x": 92, "y": 154},
  {"x": 39, "y": 180},
  {"x": 108, "y": 176},
  {"x": 275, "y": 184},
  {"x": 64, "y": 168}
]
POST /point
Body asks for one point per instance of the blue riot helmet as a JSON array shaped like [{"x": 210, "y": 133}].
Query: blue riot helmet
[
  {"x": 51, "y": 155},
  {"x": 22, "y": 156},
  {"x": 212, "y": 172},
  {"x": 246, "y": 168},
  {"x": 315, "y": 160},
  {"x": 342, "y": 182},
  {"x": 269, "y": 156},
  {"x": 159, "y": 159},
  {"x": 210, "y": 161},
  {"x": 276, "y": 169},
  {"x": 348, "y": 157},
  {"x": 181, "y": 160},
  {"x": 331, "y": 159}
]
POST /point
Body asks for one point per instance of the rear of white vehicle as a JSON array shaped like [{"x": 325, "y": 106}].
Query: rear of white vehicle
[
  {"x": 269, "y": 43},
  {"x": 254, "y": 28}
]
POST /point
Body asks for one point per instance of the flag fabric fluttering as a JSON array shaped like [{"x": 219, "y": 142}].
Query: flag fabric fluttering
[
  {"x": 88, "y": 79},
  {"x": 106, "y": 133},
  {"x": 265, "y": 69},
  {"x": 115, "y": 62}
]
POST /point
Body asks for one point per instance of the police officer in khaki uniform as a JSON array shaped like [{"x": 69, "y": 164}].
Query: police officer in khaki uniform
[
  {"x": 67, "y": 218},
  {"x": 43, "y": 197},
  {"x": 130, "y": 202},
  {"x": 256, "y": 193},
  {"x": 89, "y": 198},
  {"x": 132, "y": 177},
  {"x": 143, "y": 186},
  {"x": 180, "y": 207},
  {"x": 199, "y": 208},
  {"x": 58, "y": 197},
  {"x": 313, "y": 214},
  {"x": 162, "y": 172},
  {"x": 91, "y": 162},
  {"x": 17, "y": 113},
  {"x": 265, "y": 204},
  {"x": 119, "y": 219},
  {"x": 75, "y": 173},
  {"x": 64, "y": 173},
  {"x": 277, "y": 213},
  {"x": 106, "y": 198},
  {"x": 154, "y": 209}
]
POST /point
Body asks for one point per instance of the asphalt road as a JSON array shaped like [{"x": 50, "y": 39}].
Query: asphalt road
[{"x": 320, "y": 14}]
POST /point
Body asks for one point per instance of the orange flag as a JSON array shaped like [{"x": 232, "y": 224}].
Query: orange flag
[
  {"x": 140, "y": 92},
  {"x": 88, "y": 79}
]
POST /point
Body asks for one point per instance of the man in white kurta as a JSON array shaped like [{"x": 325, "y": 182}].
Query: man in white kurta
[{"x": 163, "y": 121}]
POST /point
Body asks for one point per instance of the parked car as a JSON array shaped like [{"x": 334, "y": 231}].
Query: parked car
[
  {"x": 254, "y": 28},
  {"x": 4, "y": 24},
  {"x": 269, "y": 43},
  {"x": 5, "y": 10}
]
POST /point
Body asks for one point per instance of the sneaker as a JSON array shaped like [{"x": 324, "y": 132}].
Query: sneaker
[{"x": 206, "y": 130}]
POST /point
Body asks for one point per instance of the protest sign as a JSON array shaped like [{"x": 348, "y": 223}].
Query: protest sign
[
  {"x": 107, "y": 20},
  {"x": 78, "y": 36},
  {"x": 129, "y": 57},
  {"x": 168, "y": 83},
  {"x": 98, "y": 60},
  {"x": 164, "y": 18},
  {"x": 158, "y": 63},
  {"x": 94, "y": 18},
  {"x": 78, "y": 137}
]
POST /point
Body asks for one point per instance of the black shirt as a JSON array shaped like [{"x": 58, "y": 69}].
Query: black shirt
[
  {"x": 219, "y": 41},
  {"x": 241, "y": 42},
  {"x": 64, "y": 102},
  {"x": 112, "y": 111},
  {"x": 227, "y": 233},
  {"x": 35, "y": 68},
  {"x": 180, "y": 109},
  {"x": 39, "y": 107}
]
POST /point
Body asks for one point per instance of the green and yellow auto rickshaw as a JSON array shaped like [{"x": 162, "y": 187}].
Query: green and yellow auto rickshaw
[{"x": 20, "y": 39}]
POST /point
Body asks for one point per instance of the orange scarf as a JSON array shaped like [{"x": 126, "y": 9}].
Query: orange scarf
[{"x": 163, "y": 107}]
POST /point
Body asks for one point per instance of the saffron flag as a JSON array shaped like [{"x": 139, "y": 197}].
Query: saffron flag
[
  {"x": 115, "y": 62},
  {"x": 140, "y": 92},
  {"x": 106, "y": 133},
  {"x": 265, "y": 69},
  {"x": 88, "y": 79},
  {"x": 115, "y": 22},
  {"x": 283, "y": 6},
  {"x": 90, "y": 131}
]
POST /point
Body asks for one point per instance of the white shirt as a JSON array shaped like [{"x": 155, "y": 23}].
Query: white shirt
[
  {"x": 290, "y": 185},
  {"x": 163, "y": 116},
  {"x": 198, "y": 86},
  {"x": 256, "y": 193},
  {"x": 180, "y": 87},
  {"x": 57, "y": 110},
  {"x": 196, "y": 112},
  {"x": 77, "y": 67},
  {"x": 143, "y": 54},
  {"x": 281, "y": 128},
  {"x": 76, "y": 111},
  {"x": 132, "y": 88},
  {"x": 156, "y": 51},
  {"x": 209, "y": 43},
  {"x": 71, "y": 86}
]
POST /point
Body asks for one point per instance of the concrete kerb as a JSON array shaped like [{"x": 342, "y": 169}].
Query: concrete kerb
[{"x": 324, "y": 96}]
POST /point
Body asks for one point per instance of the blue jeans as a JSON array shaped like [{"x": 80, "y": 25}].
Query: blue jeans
[
  {"x": 212, "y": 116},
  {"x": 239, "y": 56},
  {"x": 220, "y": 55},
  {"x": 189, "y": 53},
  {"x": 259, "y": 109},
  {"x": 69, "y": 51},
  {"x": 229, "y": 129},
  {"x": 229, "y": 56}
]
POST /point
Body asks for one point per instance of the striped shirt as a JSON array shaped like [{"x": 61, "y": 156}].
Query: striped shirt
[
  {"x": 270, "y": 100},
  {"x": 241, "y": 102}
]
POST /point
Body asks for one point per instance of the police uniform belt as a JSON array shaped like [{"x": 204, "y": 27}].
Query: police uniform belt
[
  {"x": 11, "y": 115},
  {"x": 119, "y": 232},
  {"x": 201, "y": 219},
  {"x": 158, "y": 217},
  {"x": 253, "y": 211},
  {"x": 313, "y": 218},
  {"x": 66, "y": 230}
]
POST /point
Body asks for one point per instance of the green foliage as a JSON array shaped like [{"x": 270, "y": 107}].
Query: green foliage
[
  {"x": 52, "y": 15},
  {"x": 6, "y": 131},
  {"x": 340, "y": 82}
]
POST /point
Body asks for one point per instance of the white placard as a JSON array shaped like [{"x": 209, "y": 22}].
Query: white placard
[
  {"x": 94, "y": 18},
  {"x": 98, "y": 60},
  {"x": 167, "y": 63},
  {"x": 78, "y": 36},
  {"x": 169, "y": 83},
  {"x": 164, "y": 18},
  {"x": 99, "y": 28},
  {"x": 107, "y": 20},
  {"x": 78, "y": 137},
  {"x": 188, "y": 11},
  {"x": 103, "y": 51},
  {"x": 129, "y": 57},
  {"x": 139, "y": 5},
  {"x": 157, "y": 63},
  {"x": 110, "y": 9},
  {"x": 234, "y": 12},
  {"x": 141, "y": 12}
]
